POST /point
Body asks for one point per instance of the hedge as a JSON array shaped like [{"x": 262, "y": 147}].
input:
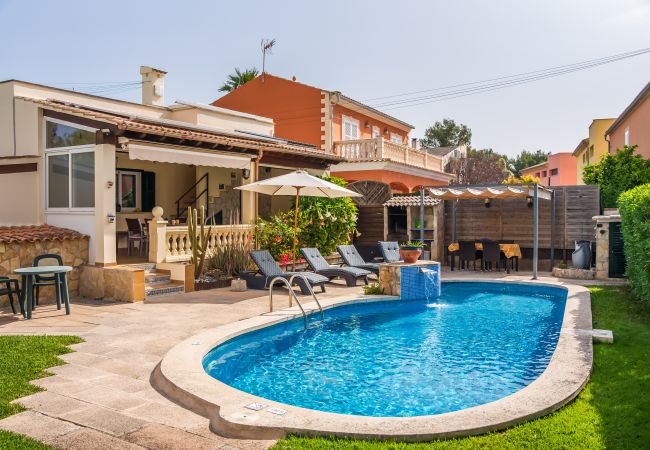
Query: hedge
[{"x": 634, "y": 206}]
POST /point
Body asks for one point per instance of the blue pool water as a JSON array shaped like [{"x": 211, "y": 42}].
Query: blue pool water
[{"x": 476, "y": 343}]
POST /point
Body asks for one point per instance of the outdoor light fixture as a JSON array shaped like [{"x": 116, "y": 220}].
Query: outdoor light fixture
[
  {"x": 529, "y": 200},
  {"x": 385, "y": 130},
  {"x": 246, "y": 173},
  {"x": 366, "y": 125},
  {"x": 487, "y": 203}
]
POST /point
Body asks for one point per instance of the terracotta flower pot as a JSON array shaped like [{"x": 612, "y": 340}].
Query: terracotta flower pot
[{"x": 410, "y": 254}]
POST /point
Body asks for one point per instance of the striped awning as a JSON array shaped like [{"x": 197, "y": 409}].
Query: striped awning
[{"x": 475, "y": 192}]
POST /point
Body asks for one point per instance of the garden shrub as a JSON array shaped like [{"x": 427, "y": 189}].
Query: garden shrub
[
  {"x": 327, "y": 222},
  {"x": 617, "y": 173},
  {"x": 634, "y": 206},
  {"x": 323, "y": 223},
  {"x": 275, "y": 234}
]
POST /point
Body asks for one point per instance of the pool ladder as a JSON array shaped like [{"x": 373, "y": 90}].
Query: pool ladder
[{"x": 292, "y": 294}]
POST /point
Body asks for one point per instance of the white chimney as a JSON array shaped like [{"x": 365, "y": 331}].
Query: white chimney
[{"x": 153, "y": 86}]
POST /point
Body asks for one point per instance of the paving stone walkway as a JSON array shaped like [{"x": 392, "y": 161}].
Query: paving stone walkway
[{"x": 102, "y": 397}]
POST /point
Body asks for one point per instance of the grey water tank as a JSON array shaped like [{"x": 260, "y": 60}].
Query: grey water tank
[{"x": 581, "y": 257}]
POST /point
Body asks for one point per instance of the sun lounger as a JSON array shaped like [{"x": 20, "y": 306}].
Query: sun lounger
[
  {"x": 270, "y": 269},
  {"x": 352, "y": 258},
  {"x": 390, "y": 251},
  {"x": 320, "y": 265}
]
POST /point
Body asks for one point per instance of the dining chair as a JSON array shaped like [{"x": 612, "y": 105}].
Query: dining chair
[
  {"x": 466, "y": 253},
  {"x": 9, "y": 289},
  {"x": 135, "y": 234},
  {"x": 48, "y": 259},
  {"x": 491, "y": 255}
]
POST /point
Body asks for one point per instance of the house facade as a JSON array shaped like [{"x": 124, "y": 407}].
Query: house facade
[
  {"x": 632, "y": 127},
  {"x": 559, "y": 170},
  {"x": 592, "y": 148},
  {"x": 375, "y": 146},
  {"x": 88, "y": 163}
]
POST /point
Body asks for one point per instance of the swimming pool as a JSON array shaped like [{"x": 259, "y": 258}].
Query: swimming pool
[{"x": 478, "y": 342}]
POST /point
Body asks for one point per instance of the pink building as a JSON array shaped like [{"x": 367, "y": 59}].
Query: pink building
[{"x": 559, "y": 170}]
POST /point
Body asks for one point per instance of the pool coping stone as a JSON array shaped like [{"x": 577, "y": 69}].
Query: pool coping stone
[{"x": 180, "y": 376}]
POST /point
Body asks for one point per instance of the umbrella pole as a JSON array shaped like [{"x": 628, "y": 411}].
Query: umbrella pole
[{"x": 295, "y": 227}]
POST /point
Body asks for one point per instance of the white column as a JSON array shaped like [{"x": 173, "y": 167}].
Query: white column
[
  {"x": 157, "y": 236},
  {"x": 248, "y": 198},
  {"x": 105, "y": 238}
]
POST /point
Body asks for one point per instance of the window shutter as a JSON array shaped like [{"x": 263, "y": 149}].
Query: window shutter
[{"x": 148, "y": 191}]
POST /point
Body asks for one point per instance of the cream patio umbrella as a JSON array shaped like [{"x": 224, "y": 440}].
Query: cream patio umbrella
[{"x": 298, "y": 183}]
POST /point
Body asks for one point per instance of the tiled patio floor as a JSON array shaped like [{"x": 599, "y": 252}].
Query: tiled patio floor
[{"x": 103, "y": 398}]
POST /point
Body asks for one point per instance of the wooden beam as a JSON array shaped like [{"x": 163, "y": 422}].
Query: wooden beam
[
  {"x": 80, "y": 120},
  {"x": 18, "y": 168}
]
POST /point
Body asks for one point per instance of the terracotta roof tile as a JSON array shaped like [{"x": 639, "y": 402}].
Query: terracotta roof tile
[
  {"x": 411, "y": 200},
  {"x": 190, "y": 131},
  {"x": 33, "y": 233}
]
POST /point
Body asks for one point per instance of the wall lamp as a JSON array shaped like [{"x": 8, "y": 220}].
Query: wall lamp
[
  {"x": 487, "y": 203},
  {"x": 246, "y": 173}
]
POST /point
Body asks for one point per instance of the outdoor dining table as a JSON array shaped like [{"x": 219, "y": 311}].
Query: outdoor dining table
[
  {"x": 28, "y": 276},
  {"x": 508, "y": 250}
]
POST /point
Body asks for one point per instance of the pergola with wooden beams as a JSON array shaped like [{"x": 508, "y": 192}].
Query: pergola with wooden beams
[{"x": 496, "y": 191}]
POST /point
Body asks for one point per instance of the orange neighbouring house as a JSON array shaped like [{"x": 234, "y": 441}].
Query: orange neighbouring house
[
  {"x": 374, "y": 144},
  {"x": 632, "y": 127},
  {"x": 561, "y": 169}
]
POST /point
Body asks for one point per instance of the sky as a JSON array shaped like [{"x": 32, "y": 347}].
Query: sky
[{"x": 365, "y": 49}]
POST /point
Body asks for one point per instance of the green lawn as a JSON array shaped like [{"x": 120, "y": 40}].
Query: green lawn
[
  {"x": 25, "y": 358},
  {"x": 613, "y": 411}
]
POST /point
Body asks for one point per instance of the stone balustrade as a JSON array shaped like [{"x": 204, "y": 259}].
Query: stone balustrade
[
  {"x": 172, "y": 243},
  {"x": 379, "y": 149}
]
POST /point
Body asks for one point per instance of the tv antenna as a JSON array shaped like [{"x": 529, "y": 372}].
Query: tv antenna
[{"x": 267, "y": 46}]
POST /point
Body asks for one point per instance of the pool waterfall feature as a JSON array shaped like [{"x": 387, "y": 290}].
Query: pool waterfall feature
[{"x": 411, "y": 281}]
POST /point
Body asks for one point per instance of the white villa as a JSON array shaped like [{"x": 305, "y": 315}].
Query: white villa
[{"x": 86, "y": 162}]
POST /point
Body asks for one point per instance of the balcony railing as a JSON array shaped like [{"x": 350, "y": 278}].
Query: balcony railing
[{"x": 379, "y": 149}]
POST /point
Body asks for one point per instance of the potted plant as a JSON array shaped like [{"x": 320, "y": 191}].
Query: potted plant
[{"x": 410, "y": 251}]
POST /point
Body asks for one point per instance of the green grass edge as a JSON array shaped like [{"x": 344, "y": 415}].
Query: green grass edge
[
  {"x": 611, "y": 412},
  {"x": 26, "y": 358}
]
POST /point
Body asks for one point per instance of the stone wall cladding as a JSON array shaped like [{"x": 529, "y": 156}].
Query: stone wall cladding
[
  {"x": 121, "y": 283},
  {"x": 14, "y": 255},
  {"x": 576, "y": 274}
]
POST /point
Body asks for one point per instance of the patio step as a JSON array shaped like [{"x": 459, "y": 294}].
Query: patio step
[
  {"x": 169, "y": 288},
  {"x": 147, "y": 267},
  {"x": 156, "y": 277}
]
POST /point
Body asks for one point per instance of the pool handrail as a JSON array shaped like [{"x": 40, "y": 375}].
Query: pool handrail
[{"x": 311, "y": 291}]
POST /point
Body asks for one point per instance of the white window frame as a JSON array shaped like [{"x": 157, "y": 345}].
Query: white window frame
[
  {"x": 396, "y": 138},
  {"x": 352, "y": 121},
  {"x": 47, "y": 152},
  {"x": 627, "y": 136},
  {"x": 138, "y": 191},
  {"x": 376, "y": 132}
]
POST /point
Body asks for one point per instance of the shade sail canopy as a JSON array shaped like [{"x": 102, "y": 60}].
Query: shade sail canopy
[
  {"x": 474, "y": 192},
  {"x": 180, "y": 156},
  {"x": 300, "y": 183}
]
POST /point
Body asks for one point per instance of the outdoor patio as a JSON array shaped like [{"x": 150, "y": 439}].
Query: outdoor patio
[{"x": 103, "y": 398}]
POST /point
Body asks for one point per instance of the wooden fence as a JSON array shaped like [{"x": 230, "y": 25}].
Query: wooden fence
[{"x": 513, "y": 219}]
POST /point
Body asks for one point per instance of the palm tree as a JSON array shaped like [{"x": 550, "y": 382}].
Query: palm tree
[{"x": 238, "y": 79}]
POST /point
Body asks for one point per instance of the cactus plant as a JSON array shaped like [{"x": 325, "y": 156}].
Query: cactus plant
[{"x": 199, "y": 238}]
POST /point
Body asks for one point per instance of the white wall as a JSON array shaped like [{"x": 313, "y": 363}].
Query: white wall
[{"x": 83, "y": 222}]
